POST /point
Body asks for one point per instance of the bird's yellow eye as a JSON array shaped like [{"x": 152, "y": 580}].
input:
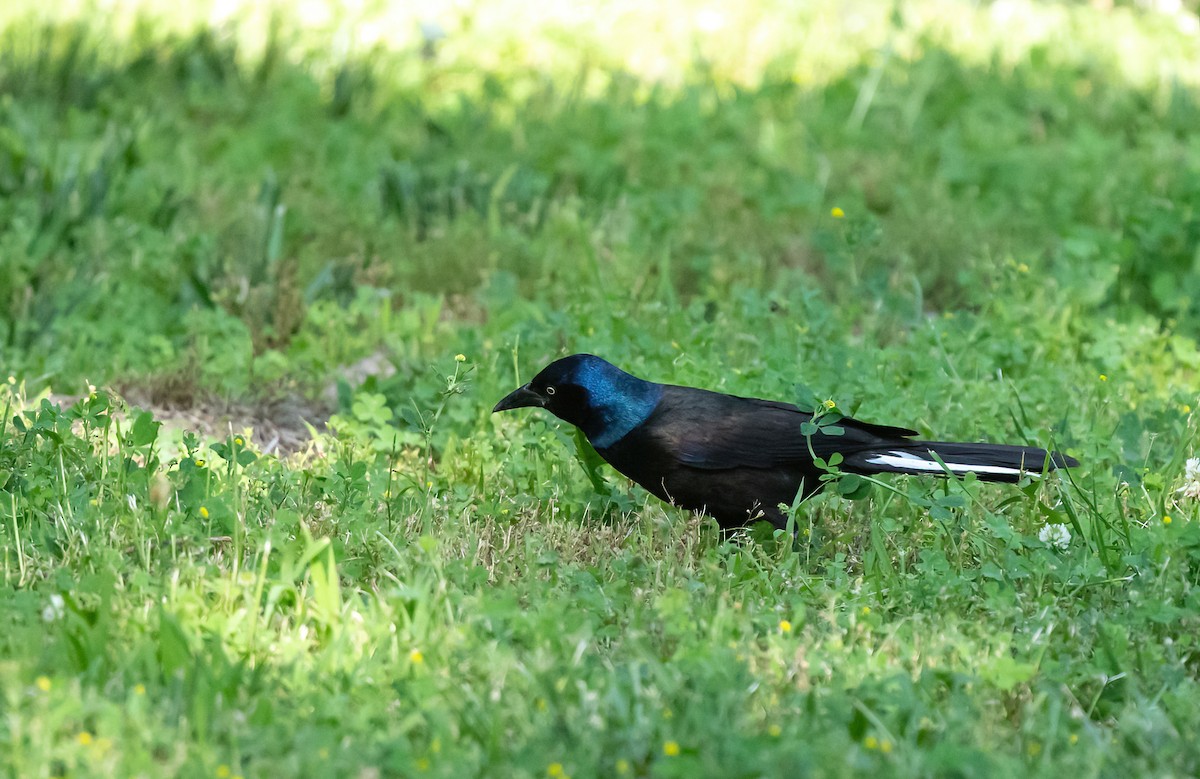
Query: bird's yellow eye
[{"x": 549, "y": 390}]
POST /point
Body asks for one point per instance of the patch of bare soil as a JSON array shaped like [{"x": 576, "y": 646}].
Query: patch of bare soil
[
  {"x": 281, "y": 425},
  {"x": 276, "y": 425}
]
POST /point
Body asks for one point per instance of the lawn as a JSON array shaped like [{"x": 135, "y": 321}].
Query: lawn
[{"x": 265, "y": 271}]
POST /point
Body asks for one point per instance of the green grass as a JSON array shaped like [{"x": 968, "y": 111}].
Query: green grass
[{"x": 228, "y": 220}]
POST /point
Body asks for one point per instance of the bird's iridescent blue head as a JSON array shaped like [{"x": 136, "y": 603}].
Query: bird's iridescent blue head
[{"x": 596, "y": 396}]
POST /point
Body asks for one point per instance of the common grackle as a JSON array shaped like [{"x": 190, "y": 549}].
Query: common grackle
[{"x": 735, "y": 458}]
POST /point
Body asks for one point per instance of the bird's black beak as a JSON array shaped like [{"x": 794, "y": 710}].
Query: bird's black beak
[{"x": 521, "y": 397}]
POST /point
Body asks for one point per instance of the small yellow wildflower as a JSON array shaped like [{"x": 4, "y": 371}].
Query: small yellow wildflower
[
  {"x": 829, "y": 404},
  {"x": 870, "y": 742},
  {"x": 556, "y": 770},
  {"x": 1167, "y": 519},
  {"x": 415, "y": 657},
  {"x": 865, "y": 610},
  {"x": 885, "y": 747},
  {"x": 837, "y": 213},
  {"x": 84, "y": 738},
  {"x": 1022, "y": 268},
  {"x": 785, "y": 626},
  {"x": 460, "y": 358},
  {"x": 43, "y": 683},
  {"x": 1074, "y": 739},
  {"x": 1185, "y": 409},
  {"x": 1103, "y": 377},
  {"x": 622, "y": 766},
  {"x": 223, "y": 771},
  {"x": 200, "y": 462},
  {"x": 775, "y": 731},
  {"x": 139, "y": 689},
  {"x": 671, "y": 748},
  {"x": 239, "y": 440},
  {"x": 204, "y": 512},
  {"x": 423, "y": 764}
]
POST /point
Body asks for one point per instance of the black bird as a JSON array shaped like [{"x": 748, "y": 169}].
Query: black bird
[{"x": 737, "y": 459}]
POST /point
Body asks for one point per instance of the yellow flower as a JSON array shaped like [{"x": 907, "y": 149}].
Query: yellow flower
[
  {"x": 1022, "y": 268},
  {"x": 1034, "y": 749},
  {"x": 200, "y": 463},
  {"x": 460, "y": 358},
  {"x": 223, "y": 771},
  {"x": 829, "y": 404},
  {"x": 139, "y": 689},
  {"x": 556, "y": 770},
  {"x": 204, "y": 512},
  {"x": 43, "y": 683},
  {"x": 870, "y": 742},
  {"x": 84, "y": 738},
  {"x": 540, "y": 703},
  {"x": 785, "y": 626},
  {"x": 671, "y": 748},
  {"x": 885, "y": 746},
  {"x": 1167, "y": 520},
  {"x": 1103, "y": 377},
  {"x": 423, "y": 764},
  {"x": 775, "y": 731},
  {"x": 836, "y": 212},
  {"x": 866, "y": 610},
  {"x": 1185, "y": 408},
  {"x": 239, "y": 440},
  {"x": 415, "y": 657},
  {"x": 1074, "y": 739},
  {"x": 622, "y": 766}
]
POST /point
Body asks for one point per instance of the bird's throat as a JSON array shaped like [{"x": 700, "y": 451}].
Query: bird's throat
[{"x": 615, "y": 413}]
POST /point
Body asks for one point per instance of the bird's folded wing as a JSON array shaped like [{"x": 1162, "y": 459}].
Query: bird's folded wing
[{"x": 765, "y": 434}]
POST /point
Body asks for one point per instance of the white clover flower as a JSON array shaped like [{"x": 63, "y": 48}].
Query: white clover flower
[
  {"x": 1056, "y": 536},
  {"x": 1191, "y": 479},
  {"x": 55, "y": 609}
]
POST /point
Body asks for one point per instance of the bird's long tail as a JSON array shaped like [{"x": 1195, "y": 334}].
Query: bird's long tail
[{"x": 989, "y": 462}]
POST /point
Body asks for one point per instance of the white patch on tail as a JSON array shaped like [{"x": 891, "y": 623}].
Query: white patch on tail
[{"x": 911, "y": 462}]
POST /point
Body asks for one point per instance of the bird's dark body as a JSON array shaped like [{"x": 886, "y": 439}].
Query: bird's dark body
[
  {"x": 737, "y": 459},
  {"x": 714, "y": 453}
]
